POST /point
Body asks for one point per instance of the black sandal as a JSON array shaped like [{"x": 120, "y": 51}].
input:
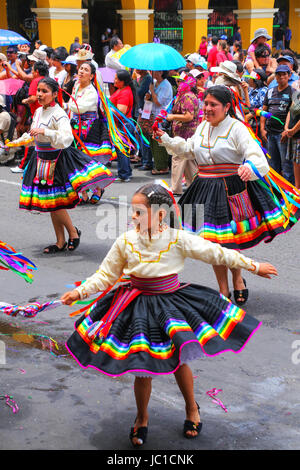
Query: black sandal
[
  {"x": 96, "y": 198},
  {"x": 241, "y": 296},
  {"x": 73, "y": 243},
  {"x": 51, "y": 249},
  {"x": 191, "y": 426},
  {"x": 139, "y": 433}
]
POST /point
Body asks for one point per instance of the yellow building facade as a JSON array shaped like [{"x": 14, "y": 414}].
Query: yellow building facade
[{"x": 59, "y": 21}]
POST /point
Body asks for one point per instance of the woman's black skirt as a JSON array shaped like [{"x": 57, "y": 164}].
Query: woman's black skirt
[
  {"x": 74, "y": 172},
  {"x": 206, "y": 211}
]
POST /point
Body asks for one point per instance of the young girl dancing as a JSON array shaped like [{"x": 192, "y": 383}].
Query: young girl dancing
[{"x": 154, "y": 324}]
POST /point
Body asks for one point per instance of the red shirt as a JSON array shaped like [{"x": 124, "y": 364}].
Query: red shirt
[
  {"x": 212, "y": 56},
  {"x": 222, "y": 56},
  {"x": 123, "y": 96},
  {"x": 32, "y": 92}
]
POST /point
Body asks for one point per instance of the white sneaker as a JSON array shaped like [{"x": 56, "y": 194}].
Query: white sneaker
[{"x": 16, "y": 169}]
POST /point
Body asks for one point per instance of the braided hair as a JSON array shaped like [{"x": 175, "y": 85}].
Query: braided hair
[{"x": 157, "y": 197}]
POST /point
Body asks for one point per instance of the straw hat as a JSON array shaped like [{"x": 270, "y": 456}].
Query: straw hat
[
  {"x": 227, "y": 68},
  {"x": 84, "y": 54},
  {"x": 38, "y": 55},
  {"x": 3, "y": 57}
]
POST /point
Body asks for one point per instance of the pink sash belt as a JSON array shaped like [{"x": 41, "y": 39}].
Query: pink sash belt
[
  {"x": 127, "y": 293},
  {"x": 217, "y": 171}
]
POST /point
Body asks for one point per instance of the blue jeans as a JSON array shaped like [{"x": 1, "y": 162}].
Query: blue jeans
[
  {"x": 124, "y": 168},
  {"x": 146, "y": 153},
  {"x": 277, "y": 151}
]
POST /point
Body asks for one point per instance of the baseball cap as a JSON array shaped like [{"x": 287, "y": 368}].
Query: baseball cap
[
  {"x": 196, "y": 73},
  {"x": 70, "y": 60},
  {"x": 12, "y": 49},
  {"x": 283, "y": 68},
  {"x": 286, "y": 57}
]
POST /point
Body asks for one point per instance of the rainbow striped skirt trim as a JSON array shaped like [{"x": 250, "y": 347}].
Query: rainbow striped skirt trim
[
  {"x": 74, "y": 172},
  {"x": 95, "y": 136},
  {"x": 206, "y": 211},
  {"x": 155, "y": 333}
]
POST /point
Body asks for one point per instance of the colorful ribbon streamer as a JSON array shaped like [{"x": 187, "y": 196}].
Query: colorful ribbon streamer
[
  {"x": 16, "y": 262},
  {"x": 9, "y": 401},
  {"x": 28, "y": 311},
  {"x": 212, "y": 394}
]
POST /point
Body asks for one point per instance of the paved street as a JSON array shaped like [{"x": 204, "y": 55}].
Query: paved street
[{"x": 62, "y": 407}]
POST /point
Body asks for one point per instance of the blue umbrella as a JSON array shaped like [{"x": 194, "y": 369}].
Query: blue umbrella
[
  {"x": 10, "y": 38},
  {"x": 152, "y": 56}
]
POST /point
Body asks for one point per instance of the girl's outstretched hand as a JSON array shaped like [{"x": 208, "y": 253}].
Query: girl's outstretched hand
[
  {"x": 266, "y": 270},
  {"x": 158, "y": 134},
  {"x": 69, "y": 297}
]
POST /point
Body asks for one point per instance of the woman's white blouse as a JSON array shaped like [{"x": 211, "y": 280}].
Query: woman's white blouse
[
  {"x": 229, "y": 142},
  {"x": 135, "y": 254},
  {"x": 86, "y": 99},
  {"x": 56, "y": 125}
]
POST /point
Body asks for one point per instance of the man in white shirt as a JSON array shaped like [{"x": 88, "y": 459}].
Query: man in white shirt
[{"x": 111, "y": 61}]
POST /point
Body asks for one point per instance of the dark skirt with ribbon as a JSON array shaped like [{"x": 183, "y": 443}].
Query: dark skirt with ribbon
[
  {"x": 94, "y": 135},
  {"x": 206, "y": 209},
  {"x": 53, "y": 178},
  {"x": 147, "y": 331}
]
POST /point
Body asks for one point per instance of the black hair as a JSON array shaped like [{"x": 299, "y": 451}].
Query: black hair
[
  {"x": 49, "y": 51},
  {"x": 41, "y": 67},
  {"x": 73, "y": 69},
  {"x": 61, "y": 52},
  {"x": 239, "y": 66},
  {"x": 91, "y": 65},
  {"x": 124, "y": 76},
  {"x": 157, "y": 196},
  {"x": 261, "y": 50},
  {"x": 214, "y": 40},
  {"x": 223, "y": 94},
  {"x": 39, "y": 42},
  {"x": 262, "y": 81},
  {"x": 51, "y": 83}
]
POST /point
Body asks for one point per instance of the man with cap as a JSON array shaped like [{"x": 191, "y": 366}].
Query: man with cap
[
  {"x": 277, "y": 102},
  {"x": 192, "y": 60},
  {"x": 289, "y": 61}
]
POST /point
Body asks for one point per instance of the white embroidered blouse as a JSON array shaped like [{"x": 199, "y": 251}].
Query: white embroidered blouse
[
  {"x": 135, "y": 254},
  {"x": 56, "y": 125},
  {"x": 86, "y": 99},
  {"x": 229, "y": 142}
]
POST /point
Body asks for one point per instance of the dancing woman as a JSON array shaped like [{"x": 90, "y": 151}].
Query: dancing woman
[
  {"x": 239, "y": 211},
  {"x": 89, "y": 124},
  {"x": 57, "y": 172}
]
